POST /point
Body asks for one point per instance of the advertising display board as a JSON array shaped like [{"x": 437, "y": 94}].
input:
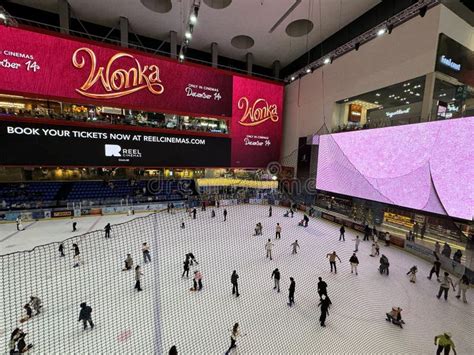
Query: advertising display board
[
  {"x": 424, "y": 166},
  {"x": 85, "y": 72},
  {"x": 455, "y": 60},
  {"x": 39, "y": 144}
]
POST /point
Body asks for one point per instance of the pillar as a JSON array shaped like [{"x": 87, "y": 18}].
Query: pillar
[
  {"x": 123, "y": 31},
  {"x": 276, "y": 69},
  {"x": 428, "y": 97},
  {"x": 173, "y": 44},
  {"x": 64, "y": 12},
  {"x": 214, "y": 53},
  {"x": 249, "y": 60}
]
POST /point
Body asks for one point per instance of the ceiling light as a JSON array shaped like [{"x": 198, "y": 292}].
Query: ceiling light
[
  {"x": 408, "y": 102},
  {"x": 188, "y": 35},
  {"x": 377, "y": 94},
  {"x": 408, "y": 84},
  {"x": 3, "y": 16},
  {"x": 308, "y": 70},
  {"x": 417, "y": 94},
  {"x": 327, "y": 61},
  {"x": 381, "y": 32},
  {"x": 376, "y": 102},
  {"x": 181, "y": 56},
  {"x": 193, "y": 18},
  {"x": 292, "y": 78},
  {"x": 345, "y": 100}
]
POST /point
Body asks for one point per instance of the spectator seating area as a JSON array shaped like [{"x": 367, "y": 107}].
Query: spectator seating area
[{"x": 55, "y": 194}]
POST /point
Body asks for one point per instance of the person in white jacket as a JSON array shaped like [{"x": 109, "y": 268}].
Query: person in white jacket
[
  {"x": 234, "y": 334},
  {"x": 463, "y": 286},
  {"x": 268, "y": 247},
  {"x": 373, "y": 250}
]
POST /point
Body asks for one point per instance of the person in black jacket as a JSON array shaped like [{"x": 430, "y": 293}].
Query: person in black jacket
[
  {"x": 86, "y": 315},
  {"x": 322, "y": 287},
  {"x": 194, "y": 213},
  {"x": 276, "y": 279},
  {"x": 74, "y": 226},
  {"x": 367, "y": 232},
  {"x": 235, "y": 285},
  {"x": 324, "y": 304},
  {"x": 225, "y": 215},
  {"x": 61, "y": 250},
  {"x": 107, "y": 229},
  {"x": 291, "y": 292},
  {"x": 306, "y": 220},
  {"x": 76, "y": 257},
  {"x": 186, "y": 267},
  {"x": 342, "y": 230},
  {"x": 270, "y": 211}
]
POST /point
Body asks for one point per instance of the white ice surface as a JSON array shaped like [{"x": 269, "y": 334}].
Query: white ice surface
[{"x": 199, "y": 322}]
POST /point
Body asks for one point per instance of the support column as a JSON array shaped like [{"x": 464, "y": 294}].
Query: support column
[
  {"x": 249, "y": 60},
  {"x": 64, "y": 12},
  {"x": 123, "y": 31},
  {"x": 173, "y": 44},
  {"x": 428, "y": 97},
  {"x": 214, "y": 53},
  {"x": 276, "y": 69}
]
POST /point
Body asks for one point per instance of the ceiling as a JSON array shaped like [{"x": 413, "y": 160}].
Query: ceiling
[{"x": 253, "y": 18}]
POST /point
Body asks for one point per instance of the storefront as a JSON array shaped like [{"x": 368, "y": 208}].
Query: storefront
[{"x": 98, "y": 105}]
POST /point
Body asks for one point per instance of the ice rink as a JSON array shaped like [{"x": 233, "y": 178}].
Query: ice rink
[{"x": 167, "y": 313}]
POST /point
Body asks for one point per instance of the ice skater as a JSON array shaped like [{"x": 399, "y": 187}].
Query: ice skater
[
  {"x": 258, "y": 229},
  {"x": 332, "y": 260},
  {"x": 342, "y": 232},
  {"x": 234, "y": 335},
  {"x": 146, "y": 253},
  {"x": 182, "y": 224},
  {"x": 194, "y": 213},
  {"x": 463, "y": 286},
  {"x": 85, "y": 315},
  {"x": 19, "y": 225},
  {"x": 305, "y": 220},
  {"x": 357, "y": 242},
  {"x": 276, "y": 279},
  {"x": 213, "y": 214},
  {"x": 445, "y": 343},
  {"x": 270, "y": 211},
  {"x": 377, "y": 248},
  {"x": 225, "y": 215},
  {"x": 367, "y": 232},
  {"x": 185, "y": 268},
  {"x": 325, "y": 303},
  {"x": 107, "y": 229},
  {"x": 192, "y": 259},
  {"x": 294, "y": 246},
  {"x": 35, "y": 304},
  {"x": 384, "y": 265},
  {"x": 387, "y": 239},
  {"x": 444, "y": 287},
  {"x": 291, "y": 292},
  {"x": 412, "y": 272},
  {"x": 17, "y": 342},
  {"x": 77, "y": 254},
  {"x": 373, "y": 251},
  {"x": 354, "y": 263},
  {"x": 322, "y": 287},
  {"x": 278, "y": 231},
  {"x": 61, "y": 250},
  {"x": 138, "y": 277},
  {"x": 128, "y": 263},
  {"x": 268, "y": 247},
  {"x": 28, "y": 313},
  {"x": 235, "y": 285},
  {"x": 395, "y": 316},
  {"x": 197, "y": 283},
  {"x": 74, "y": 226}
]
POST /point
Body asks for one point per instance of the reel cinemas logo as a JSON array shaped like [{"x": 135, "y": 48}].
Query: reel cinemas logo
[
  {"x": 114, "y": 150},
  {"x": 117, "y": 82},
  {"x": 257, "y": 113}
]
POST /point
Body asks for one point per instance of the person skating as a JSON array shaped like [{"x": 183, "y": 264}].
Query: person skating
[
  {"x": 322, "y": 287},
  {"x": 235, "y": 285},
  {"x": 294, "y": 245},
  {"x": 437, "y": 248},
  {"x": 194, "y": 213},
  {"x": 395, "y": 316},
  {"x": 292, "y": 212},
  {"x": 19, "y": 226},
  {"x": 225, "y": 215},
  {"x": 234, "y": 335},
  {"x": 367, "y": 232},
  {"x": 192, "y": 259},
  {"x": 377, "y": 248},
  {"x": 61, "y": 250},
  {"x": 270, "y": 211},
  {"x": 258, "y": 229},
  {"x": 291, "y": 292},
  {"x": 306, "y": 220},
  {"x": 342, "y": 232},
  {"x": 17, "y": 342},
  {"x": 278, "y": 231},
  {"x": 138, "y": 277},
  {"x": 128, "y": 263},
  {"x": 203, "y": 206},
  {"x": 412, "y": 272},
  {"x": 463, "y": 286},
  {"x": 354, "y": 263},
  {"x": 146, "y": 253},
  {"x": 387, "y": 239},
  {"x": 168, "y": 208},
  {"x": 457, "y": 256},
  {"x": 332, "y": 260},
  {"x": 185, "y": 267},
  {"x": 384, "y": 265},
  {"x": 197, "y": 283},
  {"x": 444, "y": 343},
  {"x": 436, "y": 268},
  {"x": 357, "y": 242},
  {"x": 182, "y": 224},
  {"x": 268, "y": 247},
  {"x": 28, "y": 313},
  {"x": 77, "y": 253},
  {"x": 373, "y": 251},
  {"x": 446, "y": 250},
  {"x": 35, "y": 304},
  {"x": 324, "y": 303},
  {"x": 74, "y": 226},
  {"x": 85, "y": 315},
  {"x": 107, "y": 229},
  {"x": 213, "y": 214},
  {"x": 446, "y": 282},
  {"x": 276, "y": 279}
]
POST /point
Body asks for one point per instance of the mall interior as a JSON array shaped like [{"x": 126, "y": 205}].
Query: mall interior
[{"x": 357, "y": 112}]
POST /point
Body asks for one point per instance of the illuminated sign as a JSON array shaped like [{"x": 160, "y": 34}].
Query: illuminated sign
[
  {"x": 257, "y": 113},
  {"x": 450, "y": 63},
  {"x": 398, "y": 112}
]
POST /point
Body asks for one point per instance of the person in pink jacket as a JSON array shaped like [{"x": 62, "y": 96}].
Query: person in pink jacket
[{"x": 197, "y": 281}]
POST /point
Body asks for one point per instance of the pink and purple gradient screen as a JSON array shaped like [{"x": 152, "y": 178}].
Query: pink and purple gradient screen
[{"x": 426, "y": 166}]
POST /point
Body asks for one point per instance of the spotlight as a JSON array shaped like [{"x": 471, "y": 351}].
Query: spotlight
[
  {"x": 188, "y": 34},
  {"x": 274, "y": 177},
  {"x": 423, "y": 11},
  {"x": 357, "y": 46},
  {"x": 308, "y": 70},
  {"x": 292, "y": 78},
  {"x": 181, "y": 56},
  {"x": 381, "y": 32},
  {"x": 3, "y": 17},
  {"x": 327, "y": 60}
]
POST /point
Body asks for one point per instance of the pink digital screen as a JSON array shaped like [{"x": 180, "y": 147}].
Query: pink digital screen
[{"x": 426, "y": 166}]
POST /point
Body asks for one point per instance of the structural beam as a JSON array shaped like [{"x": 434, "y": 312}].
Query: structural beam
[
  {"x": 214, "y": 53},
  {"x": 123, "y": 31},
  {"x": 64, "y": 11},
  {"x": 173, "y": 44},
  {"x": 249, "y": 60}
]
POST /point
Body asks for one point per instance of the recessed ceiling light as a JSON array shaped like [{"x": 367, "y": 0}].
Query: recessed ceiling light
[
  {"x": 408, "y": 102},
  {"x": 376, "y": 102},
  {"x": 417, "y": 94},
  {"x": 381, "y": 31},
  {"x": 308, "y": 70},
  {"x": 327, "y": 61},
  {"x": 292, "y": 78},
  {"x": 377, "y": 94}
]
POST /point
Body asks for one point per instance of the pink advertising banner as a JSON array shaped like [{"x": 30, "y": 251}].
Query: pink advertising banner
[
  {"x": 51, "y": 66},
  {"x": 257, "y": 123}
]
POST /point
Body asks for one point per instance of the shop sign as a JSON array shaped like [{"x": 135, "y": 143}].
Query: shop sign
[
  {"x": 450, "y": 63},
  {"x": 398, "y": 112}
]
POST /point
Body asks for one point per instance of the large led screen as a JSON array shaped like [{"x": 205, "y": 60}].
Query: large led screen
[{"x": 427, "y": 166}]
